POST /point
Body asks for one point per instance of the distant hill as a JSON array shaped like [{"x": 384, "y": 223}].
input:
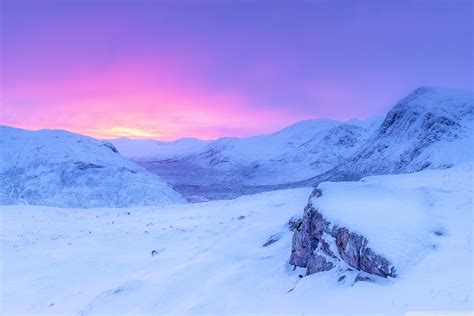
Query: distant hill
[{"x": 59, "y": 168}]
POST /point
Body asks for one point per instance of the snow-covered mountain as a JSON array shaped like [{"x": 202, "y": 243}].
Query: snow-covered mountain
[
  {"x": 229, "y": 167},
  {"x": 385, "y": 244},
  {"x": 230, "y": 151},
  {"x": 59, "y": 168},
  {"x": 430, "y": 128}
]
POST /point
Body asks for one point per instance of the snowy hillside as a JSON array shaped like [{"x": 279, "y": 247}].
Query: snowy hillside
[
  {"x": 59, "y": 168},
  {"x": 430, "y": 128},
  {"x": 229, "y": 167},
  {"x": 231, "y": 257},
  {"x": 226, "y": 152}
]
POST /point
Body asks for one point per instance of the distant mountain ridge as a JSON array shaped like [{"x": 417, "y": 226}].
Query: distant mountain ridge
[
  {"x": 229, "y": 167},
  {"x": 146, "y": 149},
  {"x": 430, "y": 128}
]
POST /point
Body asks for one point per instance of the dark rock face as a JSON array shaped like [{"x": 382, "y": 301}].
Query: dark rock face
[
  {"x": 320, "y": 246},
  {"x": 110, "y": 146},
  {"x": 317, "y": 263}
]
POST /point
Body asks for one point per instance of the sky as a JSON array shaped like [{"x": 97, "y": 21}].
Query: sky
[{"x": 209, "y": 68}]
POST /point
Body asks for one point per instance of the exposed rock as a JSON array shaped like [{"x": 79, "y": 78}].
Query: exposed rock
[
  {"x": 294, "y": 223},
  {"x": 318, "y": 263},
  {"x": 362, "y": 278},
  {"x": 271, "y": 240},
  {"x": 320, "y": 246}
]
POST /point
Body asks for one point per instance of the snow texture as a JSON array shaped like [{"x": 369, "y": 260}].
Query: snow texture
[
  {"x": 231, "y": 257},
  {"x": 401, "y": 216},
  {"x": 430, "y": 128},
  {"x": 59, "y": 168}
]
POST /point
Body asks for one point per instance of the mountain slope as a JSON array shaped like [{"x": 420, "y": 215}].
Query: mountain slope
[
  {"x": 59, "y": 168},
  {"x": 229, "y": 151},
  {"x": 229, "y": 167},
  {"x": 430, "y": 128}
]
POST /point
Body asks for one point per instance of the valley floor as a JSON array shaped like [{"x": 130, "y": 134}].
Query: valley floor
[{"x": 205, "y": 258}]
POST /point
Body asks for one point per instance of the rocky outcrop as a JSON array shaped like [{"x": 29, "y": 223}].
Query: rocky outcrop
[{"x": 320, "y": 246}]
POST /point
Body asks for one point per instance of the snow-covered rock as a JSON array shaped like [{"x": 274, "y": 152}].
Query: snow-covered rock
[
  {"x": 59, "y": 168},
  {"x": 319, "y": 245},
  {"x": 382, "y": 225}
]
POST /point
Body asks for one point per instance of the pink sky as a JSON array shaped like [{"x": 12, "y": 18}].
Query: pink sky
[
  {"x": 167, "y": 70},
  {"x": 129, "y": 100}
]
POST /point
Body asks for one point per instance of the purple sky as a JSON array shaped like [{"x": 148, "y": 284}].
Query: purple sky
[{"x": 169, "y": 69}]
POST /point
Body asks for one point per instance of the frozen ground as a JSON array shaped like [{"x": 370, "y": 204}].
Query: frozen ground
[{"x": 209, "y": 258}]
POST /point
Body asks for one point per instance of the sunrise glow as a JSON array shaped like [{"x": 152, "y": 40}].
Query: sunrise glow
[{"x": 165, "y": 71}]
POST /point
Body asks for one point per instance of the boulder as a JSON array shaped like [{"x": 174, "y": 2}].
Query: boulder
[{"x": 318, "y": 246}]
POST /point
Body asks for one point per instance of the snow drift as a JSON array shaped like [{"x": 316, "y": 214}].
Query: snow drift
[
  {"x": 384, "y": 225},
  {"x": 59, "y": 168}
]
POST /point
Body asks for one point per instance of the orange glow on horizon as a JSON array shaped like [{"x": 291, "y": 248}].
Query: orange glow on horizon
[
  {"x": 127, "y": 100},
  {"x": 121, "y": 131}
]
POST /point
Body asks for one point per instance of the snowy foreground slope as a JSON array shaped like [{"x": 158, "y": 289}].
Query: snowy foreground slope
[
  {"x": 228, "y": 257},
  {"x": 59, "y": 168}
]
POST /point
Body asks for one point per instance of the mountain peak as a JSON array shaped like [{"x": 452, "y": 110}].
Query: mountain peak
[{"x": 435, "y": 97}]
